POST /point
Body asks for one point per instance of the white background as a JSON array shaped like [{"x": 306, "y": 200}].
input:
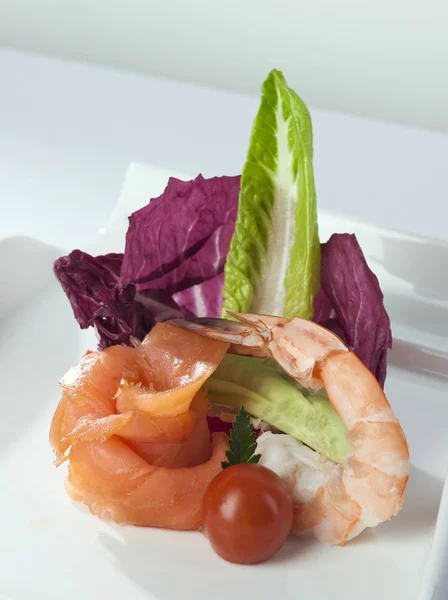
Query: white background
[
  {"x": 68, "y": 132},
  {"x": 385, "y": 59}
]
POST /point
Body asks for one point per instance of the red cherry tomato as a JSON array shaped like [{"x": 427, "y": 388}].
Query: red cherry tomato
[{"x": 247, "y": 513}]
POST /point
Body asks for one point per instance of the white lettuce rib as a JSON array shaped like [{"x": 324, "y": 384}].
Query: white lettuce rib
[{"x": 271, "y": 296}]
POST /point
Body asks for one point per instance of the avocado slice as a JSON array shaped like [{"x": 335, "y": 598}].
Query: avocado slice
[{"x": 269, "y": 394}]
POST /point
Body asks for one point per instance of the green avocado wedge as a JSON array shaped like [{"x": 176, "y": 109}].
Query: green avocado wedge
[{"x": 270, "y": 395}]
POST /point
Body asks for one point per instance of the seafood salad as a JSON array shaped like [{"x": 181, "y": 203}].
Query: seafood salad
[{"x": 237, "y": 387}]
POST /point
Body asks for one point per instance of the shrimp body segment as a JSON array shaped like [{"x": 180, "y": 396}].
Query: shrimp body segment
[{"x": 335, "y": 502}]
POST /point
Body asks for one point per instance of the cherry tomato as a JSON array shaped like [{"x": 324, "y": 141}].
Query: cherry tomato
[{"x": 247, "y": 513}]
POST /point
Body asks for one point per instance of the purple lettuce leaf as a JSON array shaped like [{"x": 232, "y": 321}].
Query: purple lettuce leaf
[
  {"x": 181, "y": 238},
  {"x": 351, "y": 303},
  {"x": 119, "y": 319},
  {"x": 176, "y": 248},
  {"x": 203, "y": 300},
  {"x": 117, "y": 314},
  {"x": 88, "y": 282},
  {"x": 132, "y": 315},
  {"x": 177, "y": 243}
]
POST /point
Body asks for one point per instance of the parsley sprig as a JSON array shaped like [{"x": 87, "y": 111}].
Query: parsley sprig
[{"x": 242, "y": 444}]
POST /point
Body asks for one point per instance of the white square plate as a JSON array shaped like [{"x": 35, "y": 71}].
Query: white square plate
[{"x": 52, "y": 548}]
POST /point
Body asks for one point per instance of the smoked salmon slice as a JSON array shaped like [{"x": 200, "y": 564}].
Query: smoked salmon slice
[
  {"x": 132, "y": 424},
  {"x": 114, "y": 481}
]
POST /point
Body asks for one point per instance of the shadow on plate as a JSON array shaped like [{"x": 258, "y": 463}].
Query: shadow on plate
[
  {"x": 419, "y": 314},
  {"x": 38, "y": 343},
  {"x": 419, "y": 359},
  {"x": 26, "y": 269},
  {"x": 419, "y": 262},
  {"x": 185, "y": 566},
  {"x": 207, "y": 574}
]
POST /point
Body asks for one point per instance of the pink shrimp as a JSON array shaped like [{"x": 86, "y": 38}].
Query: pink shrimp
[{"x": 335, "y": 502}]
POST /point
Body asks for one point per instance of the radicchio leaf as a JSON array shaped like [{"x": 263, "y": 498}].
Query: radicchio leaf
[
  {"x": 178, "y": 243},
  {"x": 88, "y": 281},
  {"x": 351, "y": 303},
  {"x": 91, "y": 285},
  {"x": 181, "y": 238},
  {"x": 203, "y": 300}
]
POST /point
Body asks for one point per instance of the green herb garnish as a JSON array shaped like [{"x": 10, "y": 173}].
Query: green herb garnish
[{"x": 242, "y": 443}]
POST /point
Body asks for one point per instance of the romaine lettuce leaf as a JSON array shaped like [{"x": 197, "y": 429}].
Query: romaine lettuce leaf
[
  {"x": 273, "y": 266},
  {"x": 270, "y": 395}
]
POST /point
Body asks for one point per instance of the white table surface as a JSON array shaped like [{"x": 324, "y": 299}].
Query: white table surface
[{"x": 68, "y": 132}]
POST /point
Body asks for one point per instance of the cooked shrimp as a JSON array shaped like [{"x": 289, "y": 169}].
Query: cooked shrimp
[
  {"x": 335, "y": 502},
  {"x": 131, "y": 422}
]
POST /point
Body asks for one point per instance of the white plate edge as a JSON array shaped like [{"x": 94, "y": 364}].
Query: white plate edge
[{"x": 435, "y": 578}]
